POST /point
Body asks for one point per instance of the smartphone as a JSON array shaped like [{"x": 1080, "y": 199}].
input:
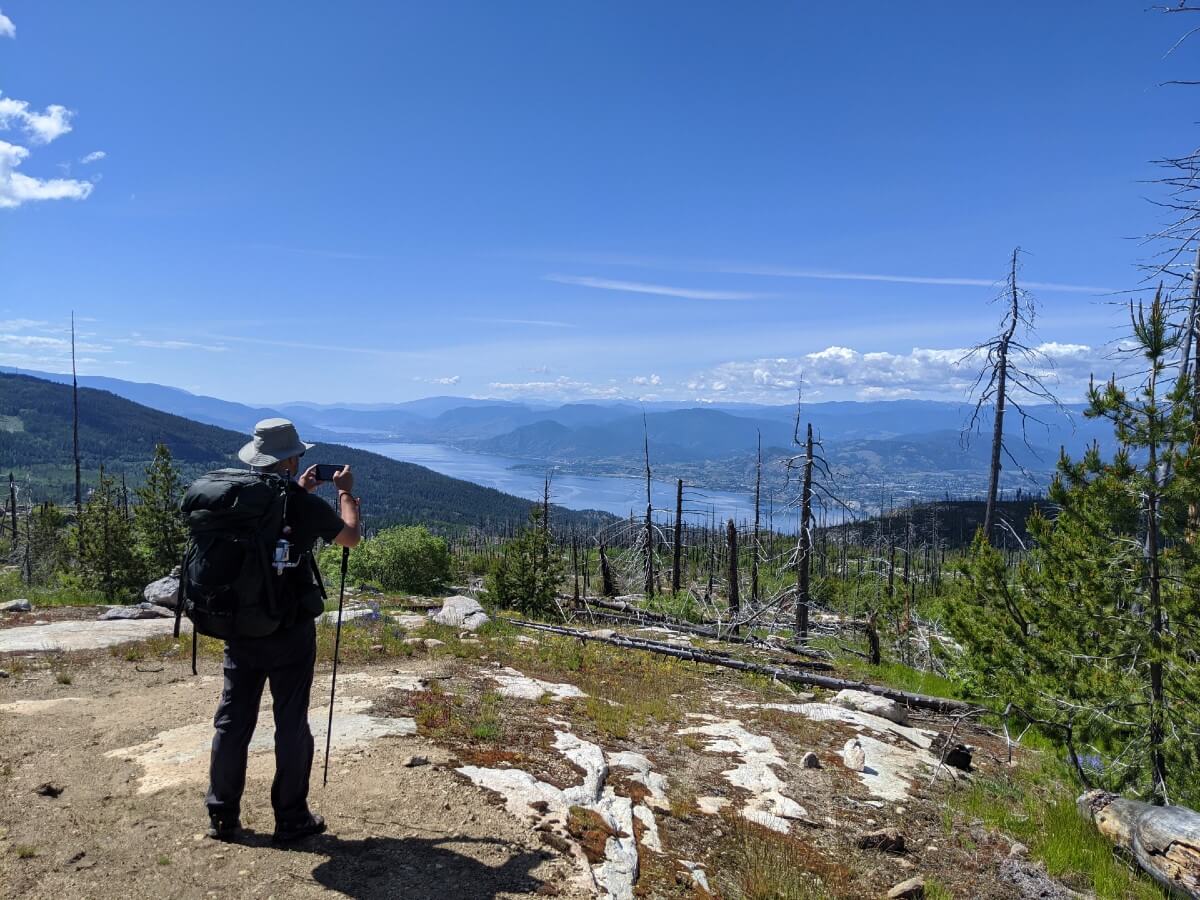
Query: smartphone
[{"x": 326, "y": 473}]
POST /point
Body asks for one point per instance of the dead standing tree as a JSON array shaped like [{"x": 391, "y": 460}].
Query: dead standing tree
[
  {"x": 1009, "y": 377},
  {"x": 809, "y": 463},
  {"x": 649, "y": 535},
  {"x": 75, "y": 427}
]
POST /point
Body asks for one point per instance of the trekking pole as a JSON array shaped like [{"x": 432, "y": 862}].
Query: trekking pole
[{"x": 337, "y": 640}]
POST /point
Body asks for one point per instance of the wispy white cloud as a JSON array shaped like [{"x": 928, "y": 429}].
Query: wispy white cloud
[
  {"x": 41, "y": 127},
  {"x": 50, "y": 343},
  {"x": 17, "y": 188},
  {"x": 777, "y": 272},
  {"x": 537, "y": 323},
  {"x": 784, "y": 271},
  {"x": 317, "y": 251},
  {"x": 94, "y": 156},
  {"x": 561, "y": 388},
  {"x": 329, "y": 348},
  {"x": 21, "y": 324},
  {"x": 446, "y": 380},
  {"x": 661, "y": 290},
  {"x": 7, "y": 28},
  {"x": 152, "y": 344}
]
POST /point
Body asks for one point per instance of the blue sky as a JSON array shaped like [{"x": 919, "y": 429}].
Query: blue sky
[{"x": 372, "y": 202}]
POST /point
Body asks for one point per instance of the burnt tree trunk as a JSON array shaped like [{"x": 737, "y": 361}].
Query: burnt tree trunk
[
  {"x": 757, "y": 513},
  {"x": 677, "y": 550},
  {"x": 735, "y": 602},
  {"x": 804, "y": 551},
  {"x": 75, "y": 430},
  {"x": 607, "y": 586},
  {"x": 989, "y": 514}
]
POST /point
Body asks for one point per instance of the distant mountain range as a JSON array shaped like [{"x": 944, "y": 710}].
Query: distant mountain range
[
  {"x": 918, "y": 443},
  {"x": 36, "y": 445}
]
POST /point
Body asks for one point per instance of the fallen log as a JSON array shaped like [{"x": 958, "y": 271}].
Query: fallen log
[
  {"x": 703, "y": 631},
  {"x": 795, "y": 676},
  {"x": 636, "y": 643},
  {"x": 1165, "y": 840}
]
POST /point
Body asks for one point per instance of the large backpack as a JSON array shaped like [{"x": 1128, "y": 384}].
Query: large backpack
[{"x": 229, "y": 587}]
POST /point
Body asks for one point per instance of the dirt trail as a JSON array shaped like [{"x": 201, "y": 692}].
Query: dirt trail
[
  {"x": 121, "y": 828},
  {"x": 549, "y": 769}
]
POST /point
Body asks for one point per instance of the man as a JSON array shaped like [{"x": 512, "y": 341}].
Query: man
[{"x": 285, "y": 658}]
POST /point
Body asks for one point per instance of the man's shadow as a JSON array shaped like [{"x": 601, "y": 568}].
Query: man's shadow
[{"x": 385, "y": 868}]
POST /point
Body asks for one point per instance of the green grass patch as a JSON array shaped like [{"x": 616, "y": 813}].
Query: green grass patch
[
  {"x": 362, "y": 642},
  {"x": 625, "y": 689},
  {"x": 165, "y": 645},
  {"x": 681, "y": 606},
  {"x": 12, "y": 587},
  {"x": 756, "y": 863},
  {"x": 889, "y": 673},
  {"x": 483, "y": 723},
  {"x": 1036, "y": 806}
]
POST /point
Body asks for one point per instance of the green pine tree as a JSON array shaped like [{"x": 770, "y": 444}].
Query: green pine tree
[
  {"x": 49, "y": 551},
  {"x": 528, "y": 574},
  {"x": 105, "y": 549},
  {"x": 157, "y": 523},
  {"x": 1094, "y": 634}
]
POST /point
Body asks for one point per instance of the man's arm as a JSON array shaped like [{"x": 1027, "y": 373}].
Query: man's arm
[{"x": 347, "y": 508}]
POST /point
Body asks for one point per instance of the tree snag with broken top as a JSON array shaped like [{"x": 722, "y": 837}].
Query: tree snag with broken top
[{"x": 1009, "y": 377}]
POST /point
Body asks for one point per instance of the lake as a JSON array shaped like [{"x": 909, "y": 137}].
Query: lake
[{"x": 610, "y": 493}]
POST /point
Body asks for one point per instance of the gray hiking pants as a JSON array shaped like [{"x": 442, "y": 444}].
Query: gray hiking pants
[{"x": 286, "y": 660}]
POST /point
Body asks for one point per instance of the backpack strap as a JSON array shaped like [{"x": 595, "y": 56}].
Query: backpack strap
[
  {"x": 181, "y": 598},
  {"x": 316, "y": 570}
]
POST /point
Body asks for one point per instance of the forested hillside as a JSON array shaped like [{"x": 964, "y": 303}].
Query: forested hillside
[{"x": 36, "y": 445}]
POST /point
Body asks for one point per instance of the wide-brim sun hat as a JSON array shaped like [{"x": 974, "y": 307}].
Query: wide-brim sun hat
[{"x": 274, "y": 440}]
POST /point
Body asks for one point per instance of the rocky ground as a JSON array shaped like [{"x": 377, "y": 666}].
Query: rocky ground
[{"x": 497, "y": 763}]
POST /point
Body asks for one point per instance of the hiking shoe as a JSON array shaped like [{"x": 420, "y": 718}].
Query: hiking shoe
[
  {"x": 314, "y": 824},
  {"x": 224, "y": 829}
]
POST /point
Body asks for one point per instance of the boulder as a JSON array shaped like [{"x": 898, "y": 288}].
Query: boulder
[
  {"x": 164, "y": 592},
  {"x": 888, "y": 840},
  {"x": 913, "y": 889},
  {"x": 141, "y": 611},
  {"x": 957, "y": 755},
  {"x": 461, "y": 612},
  {"x": 1031, "y": 881},
  {"x": 21, "y": 605},
  {"x": 359, "y": 614},
  {"x": 873, "y": 705}
]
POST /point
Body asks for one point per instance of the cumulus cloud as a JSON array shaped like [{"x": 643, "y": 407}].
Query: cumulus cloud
[
  {"x": 662, "y": 290},
  {"x": 40, "y": 127},
  {"x": 17, "y": 188},
  {"x": 922, "y": 372},
  {"x": 7, "y": 28},
  {"x": 94, "y": 156},
  {"x": 646, "y": 380}
]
